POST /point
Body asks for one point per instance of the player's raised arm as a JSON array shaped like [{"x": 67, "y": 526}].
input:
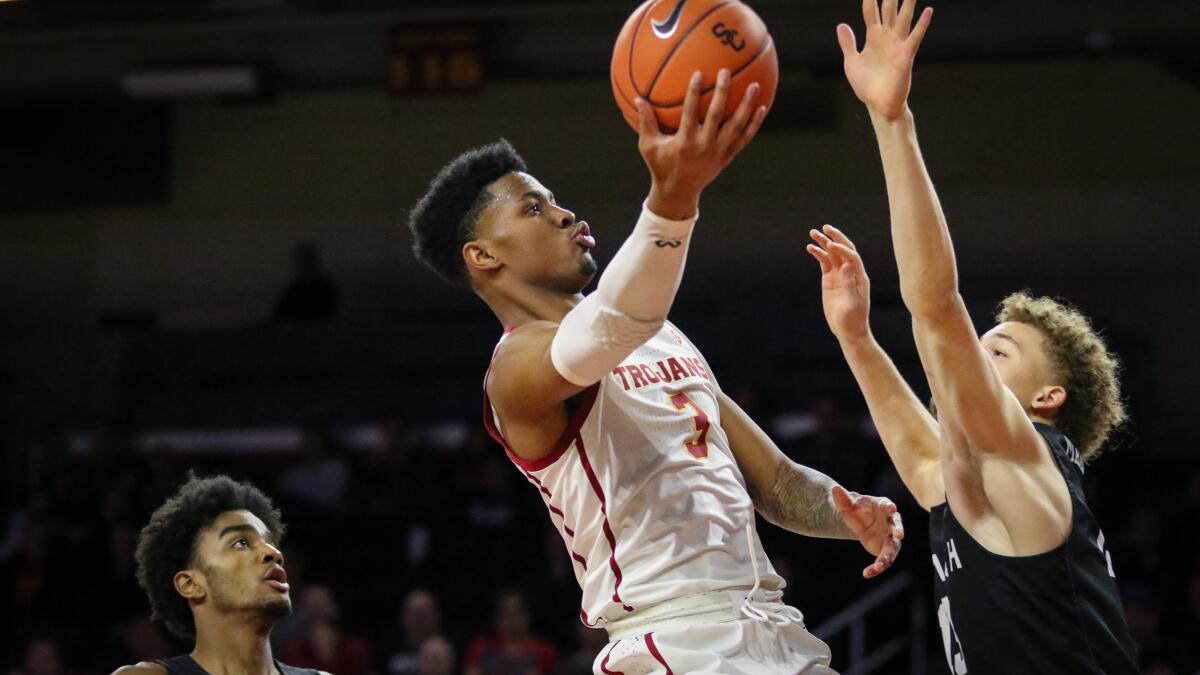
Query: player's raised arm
[
  {"x": 908, "y": 431},
  {"x": 806, "y": 501},
  {"x": 974, "y": 406},
  {"x": 541, "y": 365}
]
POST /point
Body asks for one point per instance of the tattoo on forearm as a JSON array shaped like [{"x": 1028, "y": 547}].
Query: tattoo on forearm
[{"x": 799, "y": 501}]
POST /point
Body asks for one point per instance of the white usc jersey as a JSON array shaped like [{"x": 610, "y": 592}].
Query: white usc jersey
[{"x": 644, "y": 489}]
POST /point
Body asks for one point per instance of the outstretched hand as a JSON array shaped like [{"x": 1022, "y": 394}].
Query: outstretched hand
[
  {"x": 682, "y": 164},
  {"x": 845, "y": 287},
  {"x": 881, "y": 74},
  {"x": 876, "y": 524}
]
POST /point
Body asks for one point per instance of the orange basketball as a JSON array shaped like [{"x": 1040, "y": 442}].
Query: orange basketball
[{"x": 665, "y": 41}]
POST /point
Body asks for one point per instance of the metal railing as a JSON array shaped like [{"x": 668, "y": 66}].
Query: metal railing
[{"x": 854, "y": 619}]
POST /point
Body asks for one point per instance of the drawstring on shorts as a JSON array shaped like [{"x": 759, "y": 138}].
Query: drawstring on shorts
[{"x": 765, "y": 611}]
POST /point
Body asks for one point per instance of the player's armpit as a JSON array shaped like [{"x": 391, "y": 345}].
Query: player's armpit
[
  {"x": 973, "y": 402},
  {"x": 527, "y": 391}
]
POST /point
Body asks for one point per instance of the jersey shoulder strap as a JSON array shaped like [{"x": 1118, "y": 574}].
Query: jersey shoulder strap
[{"x": 285, "y": 669}]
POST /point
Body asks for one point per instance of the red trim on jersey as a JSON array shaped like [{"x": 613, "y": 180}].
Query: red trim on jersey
[
  {"x": 608, "y": 533},
  {"x": 604, "y": 663},
  {"x": 654, "y": 652},
  {"x": 553, "y": 509},
  {"x": 586, "y": 401},
  {"x": 563, "y": 516}
]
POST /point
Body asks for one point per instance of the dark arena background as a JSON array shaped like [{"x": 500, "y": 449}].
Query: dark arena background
[{"x": 204, "y": 266}]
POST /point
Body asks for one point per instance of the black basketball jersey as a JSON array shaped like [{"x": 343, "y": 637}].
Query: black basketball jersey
[
  {"x": 184, "y": 665},
  {"x": 1055, "y": 612}
]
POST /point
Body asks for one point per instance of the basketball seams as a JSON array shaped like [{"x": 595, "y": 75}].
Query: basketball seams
[
  {"x": 675, "y": 47},
  {"x": 665, "y": 128},
  {"x": 769, "y": 42},
  {"x": 629, "y": 57},
  {"x": 624, "y": 97}
]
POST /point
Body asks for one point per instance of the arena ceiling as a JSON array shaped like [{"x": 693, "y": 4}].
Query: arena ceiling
[{"x": 56, "y": 47}]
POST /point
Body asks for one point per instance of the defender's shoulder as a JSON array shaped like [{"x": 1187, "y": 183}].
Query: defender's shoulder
[{"x": 143, "y": 668}]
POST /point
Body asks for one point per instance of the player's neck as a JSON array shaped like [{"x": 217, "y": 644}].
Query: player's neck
[
  {"x": 529, "y": 304},
  {"x": 231, "y": 645}
]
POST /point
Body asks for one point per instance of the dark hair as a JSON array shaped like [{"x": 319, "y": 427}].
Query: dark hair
[
  {"x": 167, "y": 544},
  {"x": 444, "y": 218}
]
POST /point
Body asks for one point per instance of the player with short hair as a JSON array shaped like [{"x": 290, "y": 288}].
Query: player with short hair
[
  {"x": 1023, "y": 582},
  {"x": 210, "y": 564},
  {"x": 650, "y": 472}
]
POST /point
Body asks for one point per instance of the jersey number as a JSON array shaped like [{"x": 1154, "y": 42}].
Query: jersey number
[
  {"x": 697, "y": 446},
  {"x": 1107, "y": 555},
  {"x": 954, "y": 652}
]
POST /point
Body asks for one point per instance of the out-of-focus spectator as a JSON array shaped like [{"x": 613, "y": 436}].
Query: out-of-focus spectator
[
  {"x": 311, "y": 296},
  {"x": 1143, "y": 614},
  {"x": 316, "y": 605},
  {"x": 512, "y": 650},
  {"x": 420, "y": 621},
  {"x": 1188, "y": 626},
  {"x": 588, "y": 643},
  {"x": 144, "y": 641},
  {"x": 832, "y": 439},
  {"x": 325, "y": 646},
  {"x": 436, "y": 657},
  {"x": 32, "y": 597},
  {"x": 1144, "y": 535},
  {"x": 42, "y": 658},
  {"x": 321, "y": 477}
]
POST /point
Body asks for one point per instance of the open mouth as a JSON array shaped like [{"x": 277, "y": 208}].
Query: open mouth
[
  {"x": 583, "y": 237},
  {"x": 277, "y": 579}
]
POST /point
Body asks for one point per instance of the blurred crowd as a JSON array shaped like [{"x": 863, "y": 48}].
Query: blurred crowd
[{"x": 427, "y": 553}]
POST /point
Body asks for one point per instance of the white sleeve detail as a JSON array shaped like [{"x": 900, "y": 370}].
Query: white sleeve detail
[{"x": 630, "y": 304}]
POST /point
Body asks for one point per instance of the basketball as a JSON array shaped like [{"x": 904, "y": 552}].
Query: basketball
[{"x": 665, "y": 41}]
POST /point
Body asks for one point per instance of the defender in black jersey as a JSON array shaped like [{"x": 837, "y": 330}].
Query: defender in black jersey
[
  {"x": 1024, "y": 583},
  {"x": 211, "y": 567}
]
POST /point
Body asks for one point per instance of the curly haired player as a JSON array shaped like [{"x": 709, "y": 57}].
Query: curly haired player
[
  {"x": 1023, "y": 582},
  {"x": 210, "y": 564}
]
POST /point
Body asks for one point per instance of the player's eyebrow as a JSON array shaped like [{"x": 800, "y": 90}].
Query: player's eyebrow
[
  {"x": 246, "y": 527},
  {"x": 242, "y": 527},
  {"x": 548, "y": 196},
  {"x": 1005, "y": 336}
]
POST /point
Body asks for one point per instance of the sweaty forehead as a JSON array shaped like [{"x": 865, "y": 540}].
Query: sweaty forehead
[
  {"x": 513, "y": 186},
  {"x": 1022, "y": 333}
]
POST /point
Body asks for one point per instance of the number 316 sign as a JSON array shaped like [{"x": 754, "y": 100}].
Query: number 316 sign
[{"x": 435, "y": 59}]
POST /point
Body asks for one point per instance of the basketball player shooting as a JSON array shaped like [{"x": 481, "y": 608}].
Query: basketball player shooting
[
  {"x": 1022, "y": 580},
  {"x": 646, "y": 467}
]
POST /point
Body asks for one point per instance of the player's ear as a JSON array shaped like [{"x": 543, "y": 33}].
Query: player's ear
[
  {"x": 1049, "y": 400},
  {"x": 191, "y": 584},
  {"x": 479, "y": 256}
]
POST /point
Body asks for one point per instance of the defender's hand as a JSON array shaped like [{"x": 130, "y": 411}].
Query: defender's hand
[
  {"x": 845, "y": 288},
  {"x": 876, "y": 523},
  {"x": 684, "y": 163},
  {"x": 881, "y": 74}
]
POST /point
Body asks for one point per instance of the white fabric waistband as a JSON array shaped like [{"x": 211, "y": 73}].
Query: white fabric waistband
[{"x": 714, "y": 607}]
